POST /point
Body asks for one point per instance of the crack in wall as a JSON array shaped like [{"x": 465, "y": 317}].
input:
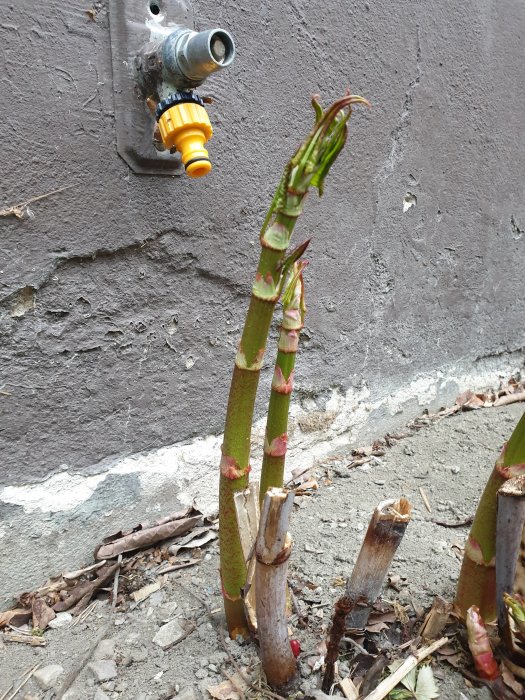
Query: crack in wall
[
  {"x": 381, "y": 280},
  {"x": 62, "y": 260}
]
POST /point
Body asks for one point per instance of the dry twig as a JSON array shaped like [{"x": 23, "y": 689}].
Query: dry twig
[
  {"x": 18, "y": 210},
  {"x": 408, "y": 664}
]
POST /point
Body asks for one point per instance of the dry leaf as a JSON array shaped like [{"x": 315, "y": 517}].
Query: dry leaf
[
  {"x": 85, "y": 590},
  {"x": 231, "y": 689},
  {"x": 42, "y": 614},
  {"x": 144, "y": 536},
  {"x": 199, "y": 538},
  {"x": 510, "y": 680},
  {"x": 16, "y": 617}
]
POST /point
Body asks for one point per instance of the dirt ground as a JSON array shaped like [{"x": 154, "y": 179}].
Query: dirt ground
[{"x": 449, "y": 460}]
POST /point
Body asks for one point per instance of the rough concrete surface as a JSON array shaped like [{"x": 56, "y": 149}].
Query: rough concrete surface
[
  {"x": 450, "y": 460},
  {"x": 121, "y": 297}
]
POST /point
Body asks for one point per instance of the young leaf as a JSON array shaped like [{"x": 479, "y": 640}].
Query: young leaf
[{"x": 426, "y": 688}]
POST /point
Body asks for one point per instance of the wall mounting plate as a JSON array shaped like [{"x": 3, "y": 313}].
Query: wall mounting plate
[{"x": 134, "y": 23}]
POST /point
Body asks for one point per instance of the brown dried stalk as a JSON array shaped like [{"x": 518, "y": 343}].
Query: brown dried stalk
[
  {"x": 247, "y": 509},
  {"x": 272, "y": 550},
  {"x": 385, "y": 531}
]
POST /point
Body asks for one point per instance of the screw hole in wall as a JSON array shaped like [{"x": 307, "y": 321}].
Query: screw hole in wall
[{"x": 154, "y": 8}]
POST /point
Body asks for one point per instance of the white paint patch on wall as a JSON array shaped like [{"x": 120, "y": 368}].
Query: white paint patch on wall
[{"x": 191, "y": 469}]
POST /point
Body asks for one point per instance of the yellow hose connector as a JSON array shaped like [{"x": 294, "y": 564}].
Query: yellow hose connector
[{"x": 186, "y": 127}]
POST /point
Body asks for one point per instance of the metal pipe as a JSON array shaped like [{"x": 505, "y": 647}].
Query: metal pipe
[{"x": 189, "y": 57}]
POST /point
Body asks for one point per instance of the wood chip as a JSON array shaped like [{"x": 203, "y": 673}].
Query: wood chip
[
  {"x": 510, "y": 398},
  {"x": 146, "y": 591},
  {"x": 24, "y": 639},
  {"x": 425, "y": 499},
  {"x": 349, "y": 689}
]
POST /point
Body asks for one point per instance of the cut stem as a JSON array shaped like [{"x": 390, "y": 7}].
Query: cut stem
[
  {"x": 477, "y": 579},
  {"x": 307, "y": 168},
  {"x": 272, "y": 550},
  {"x": 385, "y": 532}
]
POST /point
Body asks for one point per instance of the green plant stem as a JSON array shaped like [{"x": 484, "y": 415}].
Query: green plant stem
[
  {"x": 276, "y": 437},
  {"x": 477, "y": 580},
  {"x": 308, "y": 167}
]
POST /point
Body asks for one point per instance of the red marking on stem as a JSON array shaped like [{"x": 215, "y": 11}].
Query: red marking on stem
[
  {"x": 277, "y": 447},
  {"x": 231, "y": 469},
  {"x": 280, "y": 384}
]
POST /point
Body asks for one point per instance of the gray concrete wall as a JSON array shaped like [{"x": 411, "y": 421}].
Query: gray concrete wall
[{"x": 121, "y": 298}]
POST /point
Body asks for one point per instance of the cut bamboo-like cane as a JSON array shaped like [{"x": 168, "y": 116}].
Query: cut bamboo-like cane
[
  {"x": 408, "y": 664},
  {"x": 276, "y": 436},
  {"x": 308, "y": 168},
  {"x": 272, "y": 550},
  {"x": 385, "y": 531},
  {"x": 248, "y": 515},
  {"x": 510, "y": 570}
]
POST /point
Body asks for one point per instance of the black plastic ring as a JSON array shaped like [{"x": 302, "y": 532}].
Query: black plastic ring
[
  {"x": 177, "y": 98},
  {"x": 196, "y": 160}
]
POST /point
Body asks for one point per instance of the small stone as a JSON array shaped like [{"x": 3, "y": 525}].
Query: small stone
[
  {"x": 186, "y": 694},
  {"x": 105, "y": 650},
  {"x": 408, "y": 450},
  {"x": 103, "y": 670},
  {"x": 201, "y": 674},
  {"x": 156, "y": 598},
  {"x": 379, "y": 482},
  {"x": 169, "y": 634},
  {"x": 62, "y": 619},
  {"x": 75, "y": 694},
  {"x": 166, "y": 611},
  {"x": 139, "y": 655},
  {"x": 455, "y": 469},
  {"x": 305, "y": 670},
  {"x": 213, "y": 668},
  {"x": 101, "y": 695},
  {"x": 47, "y": 676}
]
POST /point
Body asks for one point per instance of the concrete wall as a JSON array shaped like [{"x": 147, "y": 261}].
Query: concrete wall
[{"x": 122, "y": 297}]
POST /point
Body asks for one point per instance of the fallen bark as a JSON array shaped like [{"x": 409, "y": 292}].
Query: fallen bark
[
  {"x": 272, "y": 550},
  {"x": 145, "y": 535},
  {"x": 248, "y": 516},
  {"x": 436, "y": 619},
  {"x": 86, "y": 589}
]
